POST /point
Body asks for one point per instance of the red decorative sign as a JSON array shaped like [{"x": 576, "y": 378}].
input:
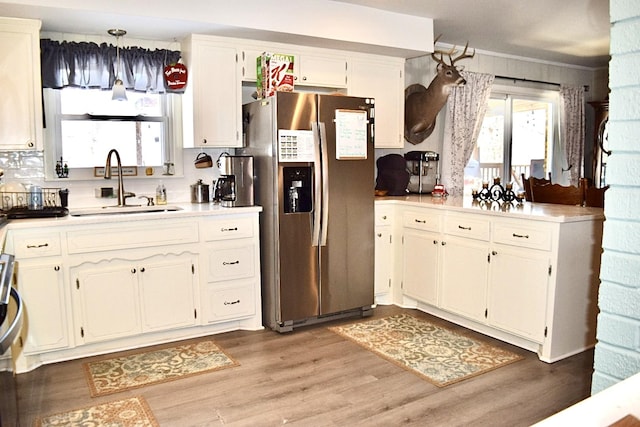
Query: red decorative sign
[{"x": 175, "y": 76}]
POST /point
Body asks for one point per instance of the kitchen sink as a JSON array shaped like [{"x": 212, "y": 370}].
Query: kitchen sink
[{"x": 117, "y": 210}]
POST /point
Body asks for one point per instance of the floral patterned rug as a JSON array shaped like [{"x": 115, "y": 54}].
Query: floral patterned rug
[
  {"x": 440, "y": 355},
  {"x": 132, "y": 412},
  {"x": 151, "y": 367}
]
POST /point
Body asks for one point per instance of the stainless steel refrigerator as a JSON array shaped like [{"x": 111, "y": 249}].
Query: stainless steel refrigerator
[{"x": 313, "y": 161}]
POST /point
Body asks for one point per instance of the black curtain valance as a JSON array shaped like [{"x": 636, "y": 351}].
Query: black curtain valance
[{"x": 89, "y": 65}]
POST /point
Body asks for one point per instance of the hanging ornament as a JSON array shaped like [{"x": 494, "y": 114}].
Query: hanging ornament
[{"x": 175, "y": 77}]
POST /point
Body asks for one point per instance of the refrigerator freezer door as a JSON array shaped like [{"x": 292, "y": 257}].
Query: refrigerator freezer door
[{"x": 297, "y": 256}]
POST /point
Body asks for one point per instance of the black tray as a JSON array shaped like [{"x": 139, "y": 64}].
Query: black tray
[{"x": 47, "y": 212}]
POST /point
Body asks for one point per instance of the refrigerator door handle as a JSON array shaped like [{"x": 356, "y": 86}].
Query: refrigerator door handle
[
  {"x": 325, "y": 185},
  {"x": 317, "y": 195}
]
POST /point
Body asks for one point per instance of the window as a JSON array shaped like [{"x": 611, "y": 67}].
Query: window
[
  {"x": 517, "y": 137},
  {"x": 82, "y": 125}
]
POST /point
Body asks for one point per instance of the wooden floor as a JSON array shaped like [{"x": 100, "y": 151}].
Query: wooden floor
[{"x": 313, "y": 377}]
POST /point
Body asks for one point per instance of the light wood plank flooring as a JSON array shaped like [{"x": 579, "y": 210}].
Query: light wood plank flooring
[{"x": 313, "y": 377}]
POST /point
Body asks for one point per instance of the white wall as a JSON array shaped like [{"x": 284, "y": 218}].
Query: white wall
[
  {"x": 617, "y": 354},
  {"x": 423, "y": 69}
]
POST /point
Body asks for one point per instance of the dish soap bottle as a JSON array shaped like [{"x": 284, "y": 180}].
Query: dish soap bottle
[{"x": 161, "y": 194}]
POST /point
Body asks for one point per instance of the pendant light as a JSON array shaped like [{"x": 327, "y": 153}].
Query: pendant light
[{"x": 119, "y": 92}]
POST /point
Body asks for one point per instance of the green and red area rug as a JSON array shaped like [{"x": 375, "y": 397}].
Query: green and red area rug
[{"x": 439, "y": 355}]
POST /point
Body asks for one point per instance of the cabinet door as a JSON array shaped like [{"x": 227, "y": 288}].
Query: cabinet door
[
  {"x": 21, "y": 106},
  {"x": 108, "y": 296},
  {"x": 321, "y": 71},
  {"x": 420, "y": 265},
  {"x": 166, "y": 292},
  {"x": 41, "y": 286},
  {"x": 383, "y": 81},
  {"x": 518, "y": 284},
  {"x": 464, "y": 277},
  {"x": 383, "y": 260},
  {"x": 215, "y": 93}
]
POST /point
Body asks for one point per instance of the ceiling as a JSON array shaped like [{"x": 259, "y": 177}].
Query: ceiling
[
  {"x": 568, "y": 31},
  {"x": 574, "y": 32}
]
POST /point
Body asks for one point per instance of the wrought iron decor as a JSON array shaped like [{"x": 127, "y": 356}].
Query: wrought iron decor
[{"x": 497, "y": 193}]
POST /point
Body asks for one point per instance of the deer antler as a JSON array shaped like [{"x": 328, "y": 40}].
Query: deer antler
[
  {"x": 463, "y": 55},
  {"x": 449, "y": 53}
]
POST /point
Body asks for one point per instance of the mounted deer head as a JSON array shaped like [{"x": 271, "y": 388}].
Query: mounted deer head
[{"x": 422, "y": 105}]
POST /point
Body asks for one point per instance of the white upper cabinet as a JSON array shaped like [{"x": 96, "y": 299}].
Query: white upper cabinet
[
  {"x": 212, "y": 101},
  {"x": 20, "y": 85},
  {"x": 383, "y": 79},
  {"x": 321, "y": 71}
]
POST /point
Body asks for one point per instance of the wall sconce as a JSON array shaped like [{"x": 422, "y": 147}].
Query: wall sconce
[{"x": 119, "y": 92}]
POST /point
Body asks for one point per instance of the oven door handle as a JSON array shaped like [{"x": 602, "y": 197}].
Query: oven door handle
[{"x": 14, "y": 328}]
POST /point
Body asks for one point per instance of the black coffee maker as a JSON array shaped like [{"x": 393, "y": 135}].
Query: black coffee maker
[{"x": 424, "y": 170}]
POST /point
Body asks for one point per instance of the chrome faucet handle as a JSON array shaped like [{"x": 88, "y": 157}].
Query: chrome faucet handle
[{"x": 149, "y": 200}]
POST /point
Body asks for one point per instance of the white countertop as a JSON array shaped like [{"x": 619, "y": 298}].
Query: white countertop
[
  {"x": 536, "y": 211},
  {"x": 186, "y": 210}
]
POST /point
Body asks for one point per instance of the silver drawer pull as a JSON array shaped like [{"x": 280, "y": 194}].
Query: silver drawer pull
[
  {"x": 421, "y": 221},
  {"x": 230, "y": 263},
  {"x": 464, "y": 228},
  {"x": 41, "y": 245},
  {"x": 229, "y": 229},
  {"x": 232, "y": 302},
  {"x": 521, "y": 236}
]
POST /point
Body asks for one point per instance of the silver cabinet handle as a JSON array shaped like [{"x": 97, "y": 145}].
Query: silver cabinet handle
[
  {"x": 232, "y": 302},
  {"x": 230, "y": 263},
  {"x": 229, "y": 229}
]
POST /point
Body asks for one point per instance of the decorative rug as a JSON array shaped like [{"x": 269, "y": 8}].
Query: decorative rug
[
  {"x": 132, "y": 412},
  {"x": 152, "y": 367},
  {"x": 439, "y": 355}
]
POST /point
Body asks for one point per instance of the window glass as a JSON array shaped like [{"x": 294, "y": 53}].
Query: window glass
[
  {"x": 87, "y": 123},
  {"x": 516, "y": 138}
]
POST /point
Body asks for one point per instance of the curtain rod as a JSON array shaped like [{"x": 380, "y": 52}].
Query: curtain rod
[{"x": 586, "y": 87}]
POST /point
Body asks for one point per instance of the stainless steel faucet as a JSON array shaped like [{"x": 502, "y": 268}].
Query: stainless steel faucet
[{"x": 122, "y": 195}]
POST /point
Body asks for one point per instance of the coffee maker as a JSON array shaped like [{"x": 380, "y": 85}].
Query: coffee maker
[
  {"x": 234, "y": 188},
  {"x": 424, "y": 170}
]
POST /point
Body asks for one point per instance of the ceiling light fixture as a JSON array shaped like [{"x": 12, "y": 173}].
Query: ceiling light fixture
[{"x": 119, "y": 92}]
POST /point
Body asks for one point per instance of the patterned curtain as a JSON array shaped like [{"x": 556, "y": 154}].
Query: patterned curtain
[
  {"x": 89, "y": 65},
  {"x": 572, "y": 131},
  {"x": 465, "y": 111}
]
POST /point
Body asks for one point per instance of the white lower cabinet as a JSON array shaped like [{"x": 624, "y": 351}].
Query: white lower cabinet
[
  {"x": 531, "y": 282},
  {"x": 97, "y": 287},
  {"x": 464, "y": 277},
  {"x": 517, "y": 299},
  {"x": 232, "y": 269},
  {"x": 420, "y": 261},
  {"x": 42, "y": 288},
  {"x": 108, "y": 301},
  {"x": 123, "y": 298},
  {"x": 383, "y": 261}
]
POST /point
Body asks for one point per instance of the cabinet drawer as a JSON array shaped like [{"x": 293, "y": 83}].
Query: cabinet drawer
[
  {"x": 467, "y": 226},
  {"x": 36, "y": 245},
  {"x": 421, "y": 220},
  {"x": 227, "y": 263},
  {"x": 232, "y": 302},
  {"x": 524, "y": 235},
  {"x": 382, "y": 216},
  {"x": 228, "y": 228}
]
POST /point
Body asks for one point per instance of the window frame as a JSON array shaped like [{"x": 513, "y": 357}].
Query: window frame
[{"x": 172, "y": 144}]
